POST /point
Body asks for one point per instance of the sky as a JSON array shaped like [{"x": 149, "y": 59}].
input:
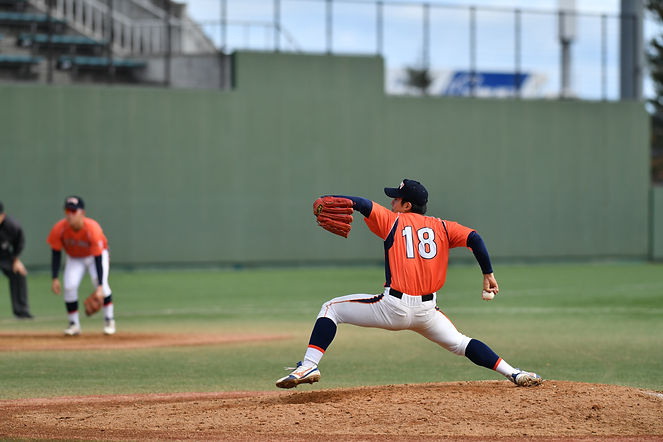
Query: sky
[{"x": 595, "y": 71}]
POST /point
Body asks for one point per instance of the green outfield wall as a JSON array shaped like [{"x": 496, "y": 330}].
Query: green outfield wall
[
  {"x": 657, "y": 223},
  {"x": 229, "y": 177}
]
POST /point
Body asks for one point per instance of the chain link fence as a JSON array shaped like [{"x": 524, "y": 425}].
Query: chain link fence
[
  {"x": 428, "y": 48},
  {"x": 466, "y": 50}
]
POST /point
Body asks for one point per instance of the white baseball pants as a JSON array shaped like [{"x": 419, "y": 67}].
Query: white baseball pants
[
  {"x": 391, "y": 313},
  {"x": 74, "y": 269}
]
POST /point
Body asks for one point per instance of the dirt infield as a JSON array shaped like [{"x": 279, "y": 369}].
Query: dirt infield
[
  {"x": 485, "y": 410},
  {"x": 90, "y": 341}
]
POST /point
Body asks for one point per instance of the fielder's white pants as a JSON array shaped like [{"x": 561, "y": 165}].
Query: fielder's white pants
[
  {"x": 391, "y": 313},
  {"x": 75, "y": 268}
]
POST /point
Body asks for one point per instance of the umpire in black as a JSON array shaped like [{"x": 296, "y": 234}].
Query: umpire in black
[{"x": 12, "y": 242}]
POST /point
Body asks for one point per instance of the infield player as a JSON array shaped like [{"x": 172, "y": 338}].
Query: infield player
[
  {"x": 86, "y": 248},
  {"x": 416, "y": 257}
]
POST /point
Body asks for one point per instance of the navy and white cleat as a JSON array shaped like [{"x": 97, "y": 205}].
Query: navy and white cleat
[{"x": 301, "y": 374}]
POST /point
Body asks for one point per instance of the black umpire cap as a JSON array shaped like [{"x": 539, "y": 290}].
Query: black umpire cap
[
  {"x": 409, "y": 190},
  {"x": 74, "y": 202}
]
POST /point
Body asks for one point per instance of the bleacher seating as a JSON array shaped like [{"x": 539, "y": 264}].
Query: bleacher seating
[
  {"x": 68, "y": 43},
  {"x": 19, "y": 60},
  {"x": 17, "y": 5},
  {"x": 66, "y": 46},
  {"x": 31, "y": 20},
  {"x": 20, "y": 64},
  {"x": 82, "y": 68}
]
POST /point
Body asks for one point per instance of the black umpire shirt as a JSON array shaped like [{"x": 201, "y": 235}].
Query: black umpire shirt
[{"x": 12, "y": 240}]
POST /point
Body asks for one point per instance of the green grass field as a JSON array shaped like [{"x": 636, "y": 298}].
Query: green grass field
[{"x": 598, "y": 323}]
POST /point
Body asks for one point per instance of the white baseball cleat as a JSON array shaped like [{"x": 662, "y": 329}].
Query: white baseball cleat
[
  {"x": 525, "y": 378},
  {"x": 302, "y": 374},
  {"x": 109, "y": 328},
  {"x": 72, "y": 330}
]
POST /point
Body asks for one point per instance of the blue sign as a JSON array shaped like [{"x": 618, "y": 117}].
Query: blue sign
[{"x": 491, "y": 84}]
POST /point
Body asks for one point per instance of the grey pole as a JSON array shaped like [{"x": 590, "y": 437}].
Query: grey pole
[
  {"x": 111, "y": 40},
  {"x": 565, "y": 61},
  {"x": 426, "y": 37},
  {"x": 49, "y": 56},
  {"x": 473, "y": 49},
  {"x": 567, "y": 34},
  {"x": 277, "y": 25},
  {"x": 631, "y": 52},
  {"x": 378, "y": 27},
  {"x": 604, "y": 57},
  {"x": 167, "y": 55},
  {"x": 223, "y": 60},
  {"x": 517, "y": 49},
  {"x": 224, "y": 25},
  {"x": 329, "y": 14}
]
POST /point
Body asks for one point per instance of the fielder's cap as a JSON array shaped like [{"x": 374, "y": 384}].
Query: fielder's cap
[
  {"x": 74, "y": 202},
  {"x": 409, "y": 190}
]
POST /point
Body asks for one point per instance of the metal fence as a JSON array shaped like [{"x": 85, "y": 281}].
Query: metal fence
[
  {"x": 465, "y": 50},
  {"x": 468, "y": 50}
]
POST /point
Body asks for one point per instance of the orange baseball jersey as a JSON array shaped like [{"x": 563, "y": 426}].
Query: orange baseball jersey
[
  {"x": 416, "y": 248},
  {"x": 88, "y": 241}
]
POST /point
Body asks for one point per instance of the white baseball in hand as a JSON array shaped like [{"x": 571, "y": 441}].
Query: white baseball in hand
[{"x": 487, "y": 296}]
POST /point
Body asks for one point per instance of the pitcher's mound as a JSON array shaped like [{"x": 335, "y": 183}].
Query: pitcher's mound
[{"x": 487, "y": 410}]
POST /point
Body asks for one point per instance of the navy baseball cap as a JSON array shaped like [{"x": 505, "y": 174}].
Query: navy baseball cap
[
  {"x": 409, "y": 190},
  {"x": 74, "y": 202}
]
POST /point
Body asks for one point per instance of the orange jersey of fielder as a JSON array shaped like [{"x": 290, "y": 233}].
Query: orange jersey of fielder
[
  {"x": 88, "y": 241},
  {"x": 416, "y": 248}
]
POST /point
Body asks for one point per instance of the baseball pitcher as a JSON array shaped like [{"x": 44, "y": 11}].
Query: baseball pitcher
[
  {"x": 416, "y": 251},
  {"x": 86, "y": 248}
]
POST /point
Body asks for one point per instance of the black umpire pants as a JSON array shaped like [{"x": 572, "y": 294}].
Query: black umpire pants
[{"x": 18, "y": 288}]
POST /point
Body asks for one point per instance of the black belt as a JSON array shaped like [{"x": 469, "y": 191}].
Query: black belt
[{"x": 395, "y": 293}]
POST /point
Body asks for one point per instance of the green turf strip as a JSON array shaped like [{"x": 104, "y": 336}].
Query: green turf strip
[{"x": 600, "y": 323}]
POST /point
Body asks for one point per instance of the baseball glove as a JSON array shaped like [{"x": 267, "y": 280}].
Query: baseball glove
[
  {"x": 334, "y": 214},
  {"x": 93, "y": 304}
]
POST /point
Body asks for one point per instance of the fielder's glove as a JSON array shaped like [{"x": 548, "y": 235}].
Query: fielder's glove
[
  {"x": 334, "y": 214},
  {"x": 93, "y": 304}
]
